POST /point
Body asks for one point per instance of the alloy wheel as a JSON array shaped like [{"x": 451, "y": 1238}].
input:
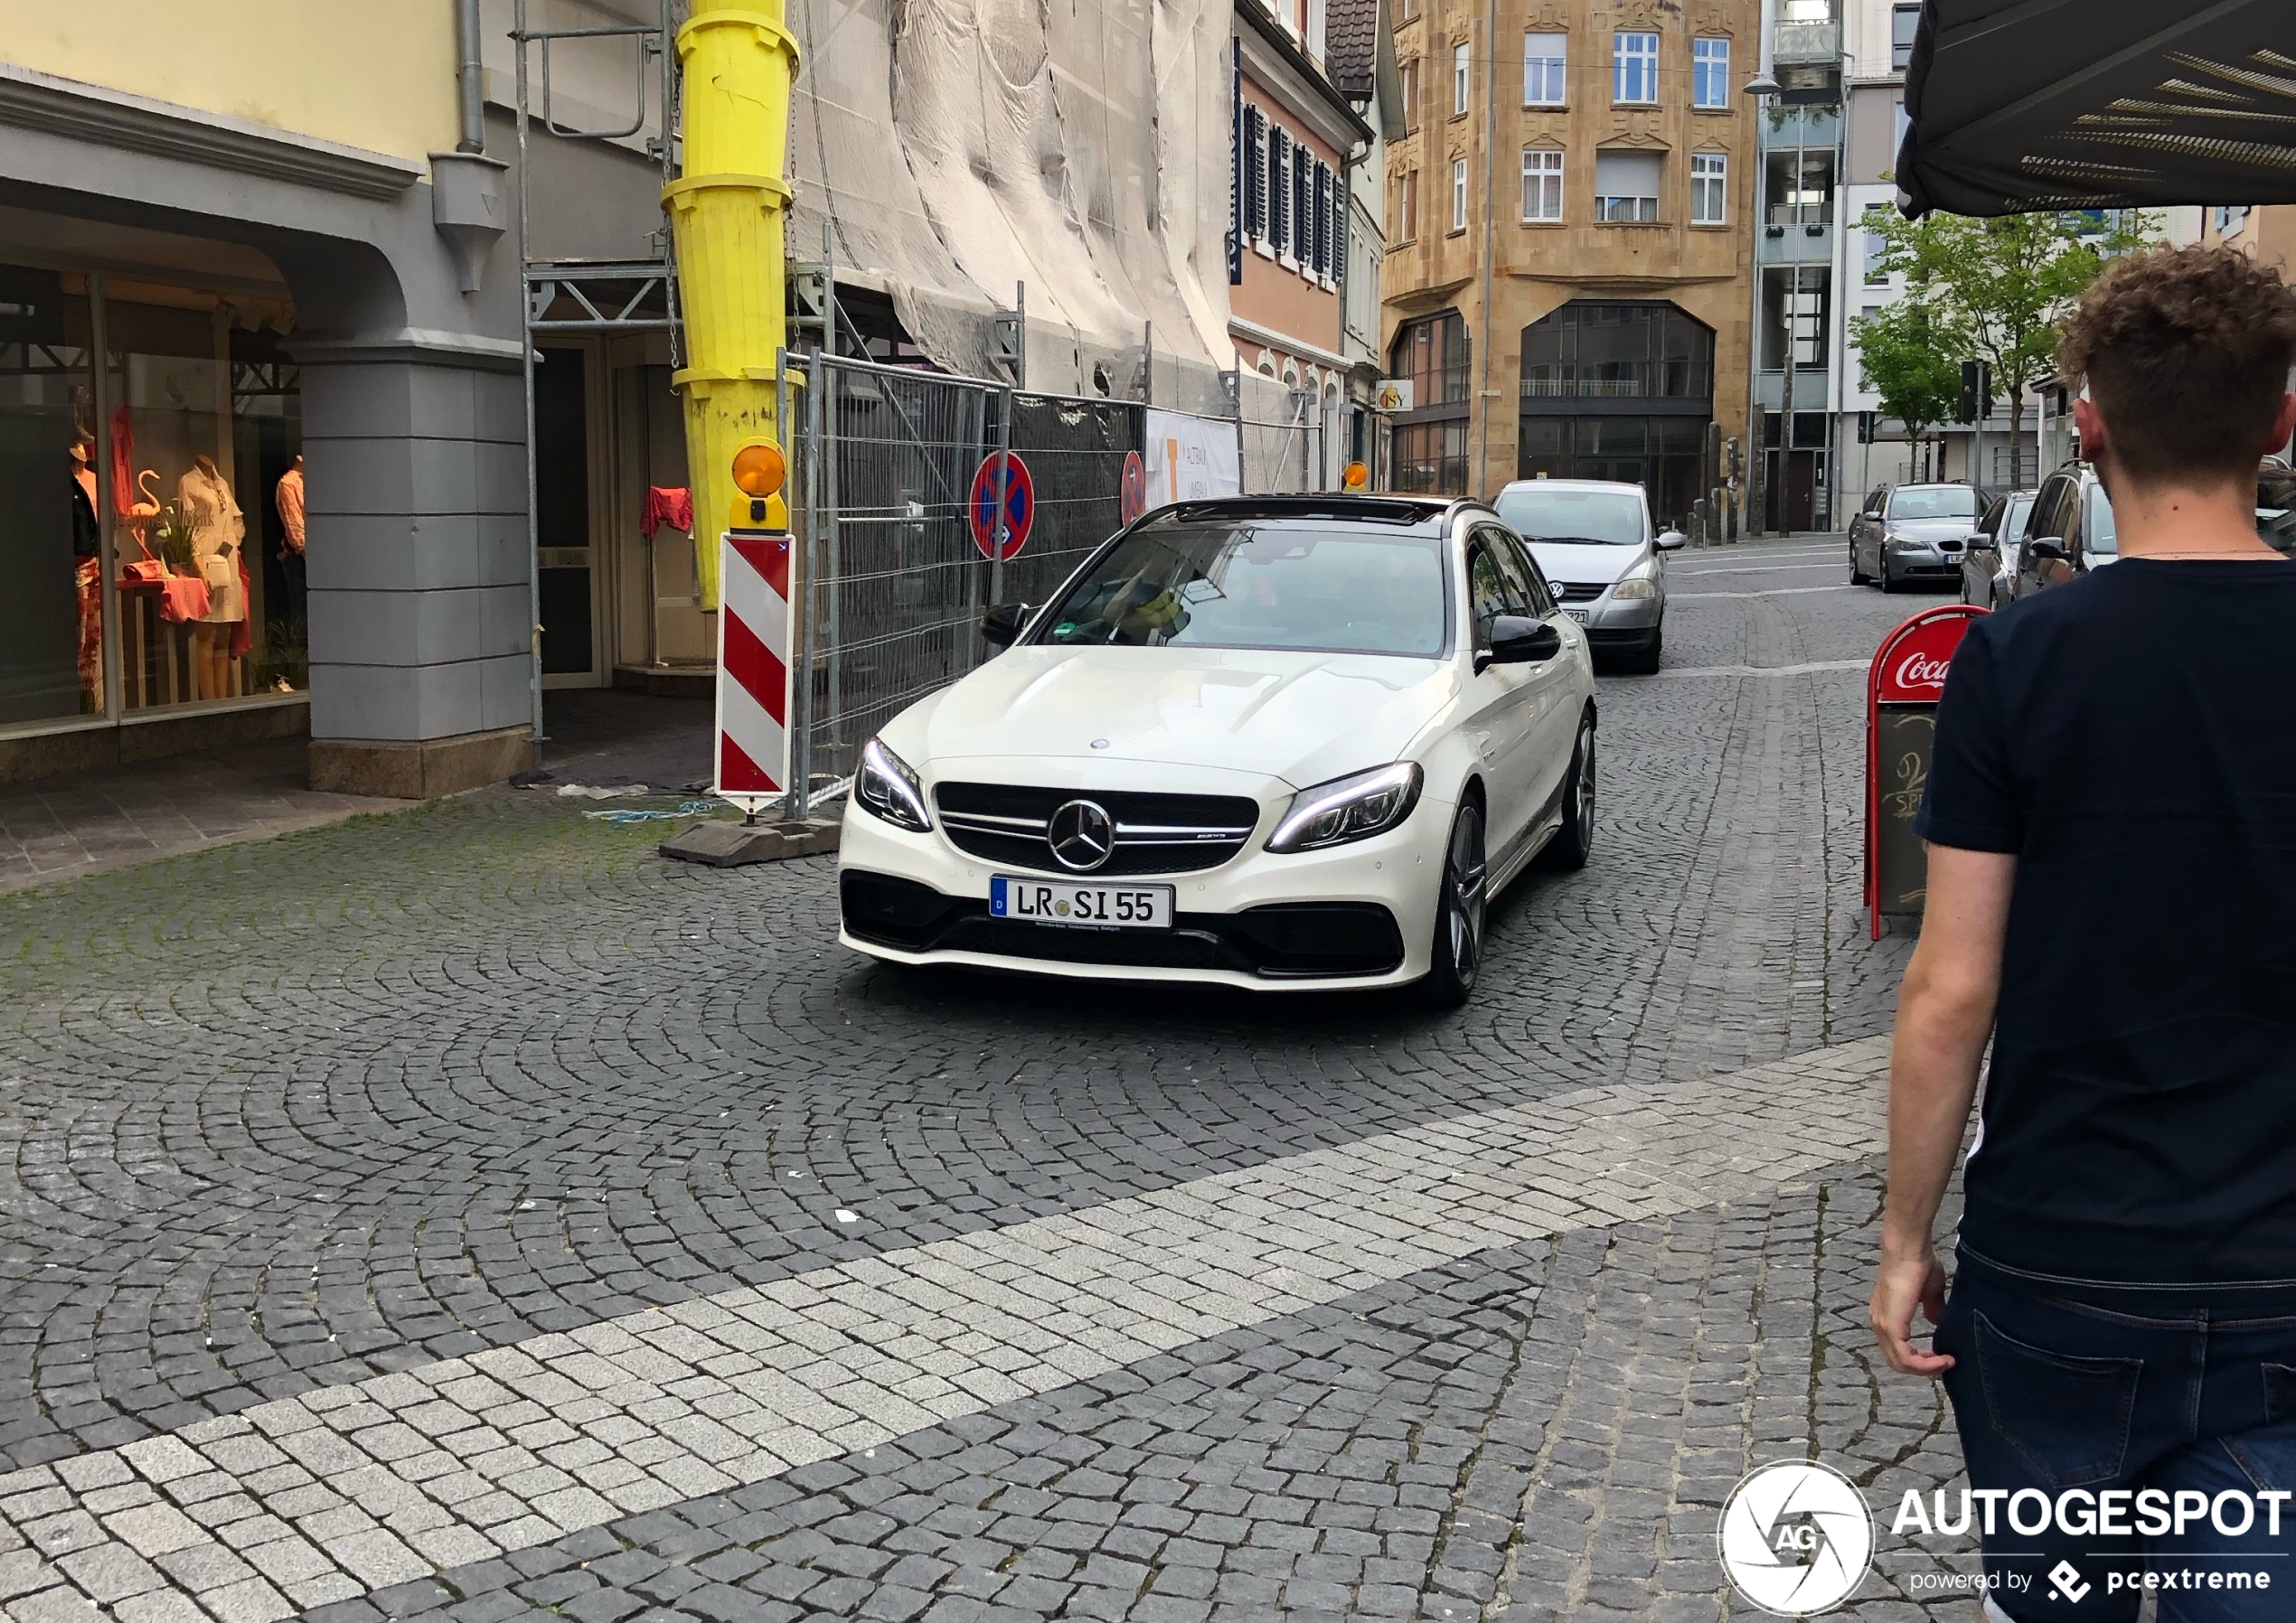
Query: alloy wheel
[
  {"x": 1463, "y": 893},
  {"x": 1585, "y": 796}
]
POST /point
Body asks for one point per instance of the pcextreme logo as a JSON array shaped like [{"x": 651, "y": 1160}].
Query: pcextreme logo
[{"x": 1795, "y": 1538}]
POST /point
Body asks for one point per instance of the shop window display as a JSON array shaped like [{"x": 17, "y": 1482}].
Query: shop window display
[
  {"x": 176, "y": 466},
  {"x": 204, "y": 439}
]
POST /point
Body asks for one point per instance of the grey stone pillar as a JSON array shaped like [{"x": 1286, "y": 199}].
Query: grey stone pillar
[{"x": 416, "y": 493}]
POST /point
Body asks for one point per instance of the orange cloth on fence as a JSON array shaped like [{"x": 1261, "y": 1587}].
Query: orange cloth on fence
[{"x": 670, "y": 504}]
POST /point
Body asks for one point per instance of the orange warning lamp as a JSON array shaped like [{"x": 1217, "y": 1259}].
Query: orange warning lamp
[
  {"x": 1355, "y": 476},
  {"x": 758, "y": 470}
]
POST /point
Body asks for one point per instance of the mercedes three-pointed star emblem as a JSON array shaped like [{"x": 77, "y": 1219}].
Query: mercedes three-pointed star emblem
[{"x": 1082, "y": 836}]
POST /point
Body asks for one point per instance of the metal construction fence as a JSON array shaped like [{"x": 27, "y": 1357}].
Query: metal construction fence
[{"x": 881, "y": 476}]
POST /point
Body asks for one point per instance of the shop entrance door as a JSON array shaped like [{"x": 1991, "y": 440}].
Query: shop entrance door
[{"x": 564, "y": 508}]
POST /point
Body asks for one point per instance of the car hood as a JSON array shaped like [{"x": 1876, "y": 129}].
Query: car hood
[
  {"x": 1303, "y": 718},
  {"x": 1932, "y": 531},
  {"x": 1590, "y": 566}
]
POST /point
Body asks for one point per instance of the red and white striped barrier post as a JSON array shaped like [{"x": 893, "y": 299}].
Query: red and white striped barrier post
[{"x": 753, "y": 669}]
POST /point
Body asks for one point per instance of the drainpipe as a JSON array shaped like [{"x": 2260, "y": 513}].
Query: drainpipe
[
  {"x": 1490, "y": 163},
  {"x": 470, "y": 78}
]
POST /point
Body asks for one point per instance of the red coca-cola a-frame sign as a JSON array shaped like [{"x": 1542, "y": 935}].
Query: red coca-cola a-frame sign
[{"x": 1903, "y": 685}]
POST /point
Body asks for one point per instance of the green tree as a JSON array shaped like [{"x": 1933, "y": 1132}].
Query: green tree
[
  {"x": 1997, "y": 288},
  {"x": 1910, "y": 363}
]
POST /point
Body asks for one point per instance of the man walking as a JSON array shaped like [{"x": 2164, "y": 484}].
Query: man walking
[{"x": 2111, "y": 828}]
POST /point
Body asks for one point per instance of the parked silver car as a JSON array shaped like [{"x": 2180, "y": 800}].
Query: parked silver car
[
  {"x": 2069, "y": 532},
  {"x": 1990, "y": 557},
  {"x": 1601, "y": 557},
  {"x": 1910, "y": 533}
]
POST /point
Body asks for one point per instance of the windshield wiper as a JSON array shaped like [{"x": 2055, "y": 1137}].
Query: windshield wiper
[{"x": 1584, "y": 540}]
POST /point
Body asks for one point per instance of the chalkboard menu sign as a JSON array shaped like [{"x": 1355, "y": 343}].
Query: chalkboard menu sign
[{"x": 1903, "y": 685}]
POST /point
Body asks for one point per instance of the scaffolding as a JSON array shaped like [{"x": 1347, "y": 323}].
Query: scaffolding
[{"x": 614, "y": 296}]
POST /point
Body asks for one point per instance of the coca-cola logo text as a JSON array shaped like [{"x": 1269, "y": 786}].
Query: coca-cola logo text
[{"x": 1919, "y": 669}]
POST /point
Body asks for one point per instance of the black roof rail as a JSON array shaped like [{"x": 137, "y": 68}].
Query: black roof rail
[{"x": 1334, "y": 504}]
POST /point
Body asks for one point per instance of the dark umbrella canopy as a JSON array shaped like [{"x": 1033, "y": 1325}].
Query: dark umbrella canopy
[{"x": 2020, "y": 105}]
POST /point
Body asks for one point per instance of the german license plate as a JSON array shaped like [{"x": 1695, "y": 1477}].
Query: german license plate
[
  {"x": 1577, "y": 615},
  {"x": 1066, "y": 902}
]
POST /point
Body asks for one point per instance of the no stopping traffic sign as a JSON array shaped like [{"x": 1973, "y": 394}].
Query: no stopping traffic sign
[{"x": 1002, "y": 504}]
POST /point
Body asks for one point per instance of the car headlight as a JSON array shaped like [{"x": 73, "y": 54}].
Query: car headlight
[
  {"x": 1634, "y": 587},
  {"x": 889, "y": 787},
  {"x": 1350, "y": 808}
]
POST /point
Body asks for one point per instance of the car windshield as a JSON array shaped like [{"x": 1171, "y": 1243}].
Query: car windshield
[
  {"x": 1547, "y": 512},
  {"x": 2013, "y": 520},
  {"x": 2100, "y": 536},
  {"x": 1933, "y": 501},
  {"x": 1247, "y": 584}
]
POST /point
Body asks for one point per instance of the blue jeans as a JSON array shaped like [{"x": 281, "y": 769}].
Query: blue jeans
[{"x": 2063, "y": 1387}]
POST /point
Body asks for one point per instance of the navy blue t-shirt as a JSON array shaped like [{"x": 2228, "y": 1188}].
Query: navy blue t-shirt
[{"x": 2131, "y": 738}]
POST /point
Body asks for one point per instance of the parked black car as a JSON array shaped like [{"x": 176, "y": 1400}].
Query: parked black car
[
  {"x": 1910, "y": 533},
  {"x": 1990, "y": 557},
  {"x": 2069, "y": 532}
]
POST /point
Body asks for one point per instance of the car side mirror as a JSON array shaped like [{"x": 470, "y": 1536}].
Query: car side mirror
[
  {"x": 1518, "y": 640},
  {"x": 2046, "y": 547},
  {"x": 1672, "y": 540},
  {"x": 1000, "y": 623}
]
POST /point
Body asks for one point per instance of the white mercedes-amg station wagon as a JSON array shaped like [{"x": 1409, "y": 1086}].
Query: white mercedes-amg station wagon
[{"x": 1274, "y": 742}]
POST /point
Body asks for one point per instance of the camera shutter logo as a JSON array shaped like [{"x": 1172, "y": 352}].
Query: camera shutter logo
[{"x": 1796, "y": 1538}]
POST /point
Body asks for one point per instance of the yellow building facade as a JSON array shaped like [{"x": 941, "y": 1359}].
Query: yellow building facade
[{"x": 1568, "y": 285}]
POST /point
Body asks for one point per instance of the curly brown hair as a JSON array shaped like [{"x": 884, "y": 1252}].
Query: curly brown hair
[{"x": 2186, "y": 351}]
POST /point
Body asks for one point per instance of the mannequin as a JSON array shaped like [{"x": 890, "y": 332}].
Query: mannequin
[
  {"x": 87, "y": 551},
  {"x": 288, "y": 496},
  {"x": 218, "y": 528}
]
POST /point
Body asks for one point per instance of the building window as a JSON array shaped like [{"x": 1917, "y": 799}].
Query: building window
[
  {"x": 1404, "y": 11},
  {"x": 1589, "y": 350},
  {"x": 1432, "y": 352},
  {"x": 1544, "y": 56},
  {"x": 1627, "y": 185},
  {"x": 1800, "y": 185},
  {"x": 1279, "y": 192},
  {"x": 1904, "y": 21},
  {"x": 1542, "y": 183},
  {"x": 1461, "y": 77},
  {"x": 1458, "y": 195},
  {"x": 1876, "y": 245},
  {"x": 1256, "y": 175},
  {"x": 1710, "y": 74},
  {"x": 1409, "y": 74},
  {"x": 1408, "y": 206},
  {"x": 1710, "y": 188},
  {"x": 1303, "y": 207},
  {"x": 1323, "y": 222},
  {"x": 1431, "y": 458},
  {"x": 1635, "y": 67}
]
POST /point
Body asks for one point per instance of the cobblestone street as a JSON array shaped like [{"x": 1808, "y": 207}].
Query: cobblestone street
[{"x": 462, "y": 1212}]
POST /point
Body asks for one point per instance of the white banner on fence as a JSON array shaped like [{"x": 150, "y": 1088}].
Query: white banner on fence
[{"x": 1190, "y": 456}]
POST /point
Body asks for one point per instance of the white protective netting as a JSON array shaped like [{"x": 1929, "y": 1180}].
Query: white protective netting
[{"x": 957, "y": 147}]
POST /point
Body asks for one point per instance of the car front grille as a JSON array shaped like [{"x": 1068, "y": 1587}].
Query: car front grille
[
  {"x": 1579, "y": 591},
  {"x": 1154, "y": 833}
]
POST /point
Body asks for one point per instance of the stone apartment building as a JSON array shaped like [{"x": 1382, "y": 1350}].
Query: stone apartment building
[{"x": 1568, "y": 279}]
